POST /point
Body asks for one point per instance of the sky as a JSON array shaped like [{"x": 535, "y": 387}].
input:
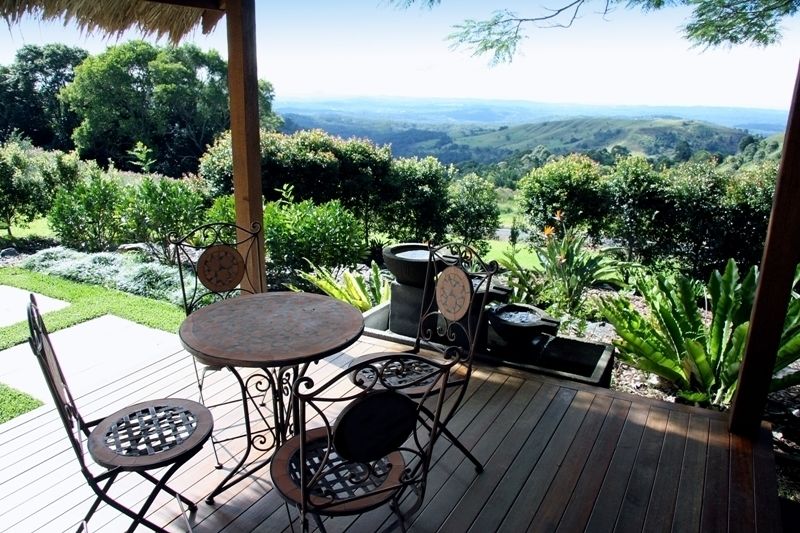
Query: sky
[{"x": 350, "y": 48}]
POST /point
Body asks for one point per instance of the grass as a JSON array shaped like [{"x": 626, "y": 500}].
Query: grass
[
  {"x": 87, "y": 302},
  {"x": 497, "y": 248},
  {"x": 14, "y": 403}
]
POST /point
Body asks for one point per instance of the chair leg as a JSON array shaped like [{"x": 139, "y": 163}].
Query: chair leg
[
  {"x": 201, "y": 378},
  {"x": 318, "y": 521},
  {"x": 172, "y": 492},
  {"x": 454, "y": 440},
  {"x": 457, "y": 443}
]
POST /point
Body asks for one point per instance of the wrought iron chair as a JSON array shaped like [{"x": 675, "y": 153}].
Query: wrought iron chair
[
  {"x": 139, "y": 438},
  {"x": 457, "y": 290},
  {"x": 212, "y": 261},
  {"x": 379, "y": 447}
]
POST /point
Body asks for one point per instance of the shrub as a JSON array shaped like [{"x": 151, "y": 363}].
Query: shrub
[
  {"x": 700, "y": 359},
  {"x": 22, "y": 192},
  {"x": 126, "y": 272},
  {"x": 474, "y": 214},
  {"x": 327, "y": 235},
  {"x": 159, "y": 207},
  {"x": 90, "y": 217},
  {"x": 320, "y": 167},
  {"x": 638, "y": 199},
  {"x": 415, "y": 207},
  {"x": 222, "y": 210},
  {"x": 573, "y": 184}
]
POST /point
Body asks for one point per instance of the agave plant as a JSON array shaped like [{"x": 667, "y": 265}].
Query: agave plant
[
  {"x": 353, "y": 288},
  {"x": 700, "y": 358}
]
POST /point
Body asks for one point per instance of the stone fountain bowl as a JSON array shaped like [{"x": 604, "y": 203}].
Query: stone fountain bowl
[
  {"x": 408, "y": 262},
  {"x": 519, "y": 324}
]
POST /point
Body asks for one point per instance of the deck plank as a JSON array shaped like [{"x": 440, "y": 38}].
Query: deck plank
[{"x": 559, "y": 456}]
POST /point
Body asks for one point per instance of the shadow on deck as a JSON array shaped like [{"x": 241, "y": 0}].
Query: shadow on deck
[{"x": 559, "y": 456}]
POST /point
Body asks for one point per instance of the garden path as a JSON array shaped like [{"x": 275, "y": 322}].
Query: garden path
[
  {"x": 83, "y": 350},
  {"x": 13, "y": 303}
]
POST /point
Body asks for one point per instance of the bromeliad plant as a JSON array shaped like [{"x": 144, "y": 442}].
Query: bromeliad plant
[
  {"x": 564, "y": 269},
  {"x": 363, "y": 293},
  {"x": 700, "y": 358}
]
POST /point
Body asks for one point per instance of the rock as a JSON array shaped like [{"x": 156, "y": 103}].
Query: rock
[
  {"x": 9, "y": 252},
  {"x": 133, "y": 247}
]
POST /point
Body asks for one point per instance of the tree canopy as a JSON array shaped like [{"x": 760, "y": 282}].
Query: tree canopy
[
  {"x": 712, "y": 23},
  {"x": 174, "y": 100}
]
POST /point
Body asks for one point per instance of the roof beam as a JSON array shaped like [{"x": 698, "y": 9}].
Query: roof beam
[{"x": 781, "y": 256}]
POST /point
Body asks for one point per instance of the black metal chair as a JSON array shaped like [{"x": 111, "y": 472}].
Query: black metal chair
[
  {"x": 212, "y": 261},
  {"x": 458, "y": 285},
  {"x": 139, "y": 438},
  {"x": 378, "y": 449}
]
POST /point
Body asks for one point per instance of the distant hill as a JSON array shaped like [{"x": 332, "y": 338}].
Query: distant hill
[
  {"x": 480, "y": 143},
  {"x": 500, "y": 112}
]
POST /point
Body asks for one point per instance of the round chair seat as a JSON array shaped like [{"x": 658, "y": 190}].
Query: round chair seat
[
  {"x": 150, "y": 434},
  {"x": 347, "y": 488},
  {"x": 413, "y": 371}
]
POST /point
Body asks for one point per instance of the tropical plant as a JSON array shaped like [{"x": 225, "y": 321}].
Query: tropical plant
[
  {"x": 526, "y": 284},
  {"x": 363, "y": 293},
  {"x": 698, "y": 357}
]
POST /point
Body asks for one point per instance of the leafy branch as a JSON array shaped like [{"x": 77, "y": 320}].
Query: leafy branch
[{"x": 712, "y": 23}]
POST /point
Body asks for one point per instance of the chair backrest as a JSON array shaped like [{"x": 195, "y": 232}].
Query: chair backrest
[
  {"x": 457, "y": 289},
  {"x": 65, "y": 404},
  {"x": 212, "y": 262},
  {"x": 376, "y": 421}
]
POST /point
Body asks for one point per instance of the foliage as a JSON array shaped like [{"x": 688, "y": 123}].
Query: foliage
[
  {"x": 14, "y": 403},
  {"x": 565, "y": 268},
  {"x": 29, "y": 89},
  {"x": 223, "y": 209},
  {"x": 712, "y": 23},
  {"x": 142, "y": 157},
  {"x": 90, "y": 216},
  {"x": 159, "y": 207},
  {"x": 86, "y": 302},
  {"x": 318, "y": 166},
  {"x": 22, "y": 192},
  {"x": 700, "y": 358},
  {"x": 174, "y": 100},
  {"x": 474, "y": 214},
  {"x": 360, "y": 292},
  {"x": 637, "y": 194},
  {"x": 569, "y": 267},
  {"x": 572, "y": 184},
  {"x": 125, "y": 272},
  {"x": 414, "y": 208},
  {"x": 327, "y": 235}
]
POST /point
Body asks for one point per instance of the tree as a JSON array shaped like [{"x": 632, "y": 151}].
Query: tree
[
  {"x": 173, "y": 99},
  {"x": 29, "y": 90},
  {"x": 712, "y": 23},
  {"x": 21, "y": 187},
  {"x": 474, "y": 215}
]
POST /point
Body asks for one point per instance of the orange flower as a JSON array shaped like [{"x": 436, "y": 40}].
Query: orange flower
[{"x": 549, "y": 231}]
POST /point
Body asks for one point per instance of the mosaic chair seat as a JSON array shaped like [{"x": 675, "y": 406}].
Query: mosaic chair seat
[{"x": 155, "y": 434}]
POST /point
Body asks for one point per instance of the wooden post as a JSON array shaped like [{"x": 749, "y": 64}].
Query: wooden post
[
  {"x": 781, "y": 256},
  {"x": 243, "y": 89}
]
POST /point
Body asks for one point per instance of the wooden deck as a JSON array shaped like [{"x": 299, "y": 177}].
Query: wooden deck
[{"x": 559, "y": 456}]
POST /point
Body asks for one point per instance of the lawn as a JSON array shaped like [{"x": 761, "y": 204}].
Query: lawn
[
  {"x": 14, "y": 403},
  {"x": 524, "y": 255},
  {"x": 87, "y": 302}
]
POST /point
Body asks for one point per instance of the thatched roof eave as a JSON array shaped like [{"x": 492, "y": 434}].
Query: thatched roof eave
[{"x": 174, "y": 19}]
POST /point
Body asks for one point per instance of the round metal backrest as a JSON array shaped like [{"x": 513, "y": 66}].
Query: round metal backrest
[
  {"x": 374, "y": 426},
  {"x": 453, "y": 293},
  {"x": 220, "y": 268}
]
